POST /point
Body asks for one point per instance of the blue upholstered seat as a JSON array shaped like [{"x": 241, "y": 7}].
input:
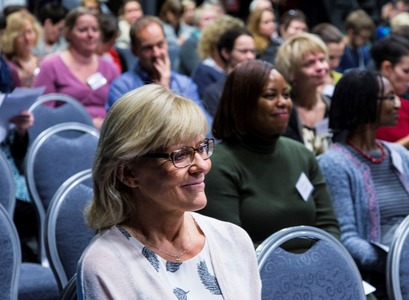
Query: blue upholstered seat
[
  {"x": 397, "y": 264},
  {"x": 58, "y": 153},
  {"x": 65, "y": 242},
  {"x": 45, "y": 117},
  {"x": 7, "y": 186},
  {"x": 324, "y": 271},
  {"x": 10, "y": 256},
  {"x": 26, "y": 281}
]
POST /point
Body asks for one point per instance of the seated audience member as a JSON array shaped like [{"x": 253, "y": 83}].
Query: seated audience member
[
  {"x": 291, "y": 23},
  {"x": 149, "y": 44},
  {"x": 368, "y": 179},
  {"x": 14, "y": 146},
  {"x": 52, "y": 17},
  {"x": 334, "y": 40},
  {"x": 17, "y": 43},
  {"x": 359, "y": 28},
  {"x": 188, "y": 12},
  {"x": 392, "y": 12},
  {"x": 129, "y": 12},
  {"x": 391, "y": 59},
  {"x": 108, "y": 25},
  {"x": 261, "y": 24},
  {"x": 148, "y": 179},
  {"x": 212, "y": 68},
  {"x": 78, "y": 71},
  {"x": 176, "y": 31},
  {"x": 93, "y": 5},
  {"x": 256, "y": 172},
  {"x": 235, "y": 45},
  {"x": 260, "y": 4},
  {"x": 188, "y": 55},
  {"x": 303, "y": 61}
]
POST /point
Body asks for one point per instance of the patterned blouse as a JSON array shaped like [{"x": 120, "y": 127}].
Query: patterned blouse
[{"x": 191, "y": 279}]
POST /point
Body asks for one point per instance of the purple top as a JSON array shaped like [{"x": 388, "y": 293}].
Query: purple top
[{"x": 57, "y": 78}]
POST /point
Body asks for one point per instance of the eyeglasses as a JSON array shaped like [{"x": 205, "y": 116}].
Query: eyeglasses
[
  {"x": 245, "y": 51},
  {"x": 183, "y": 157}
]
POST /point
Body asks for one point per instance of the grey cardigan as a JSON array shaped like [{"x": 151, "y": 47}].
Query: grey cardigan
[{"x": 353, "y": 194}]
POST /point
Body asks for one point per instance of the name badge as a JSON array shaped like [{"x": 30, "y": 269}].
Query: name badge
[
  {"x": 322, "y": 127},
  {"x": 96, "y": 80},
  {"x": 304, "y": 186},
  {"x": 397, "y": 161}
]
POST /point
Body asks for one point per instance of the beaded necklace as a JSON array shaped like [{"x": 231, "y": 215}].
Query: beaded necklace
[{"x": 367, "y": 156}]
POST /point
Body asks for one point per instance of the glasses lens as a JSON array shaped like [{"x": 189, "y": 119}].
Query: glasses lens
[
  {"x": 209, "y": 147},
  {"x": 183, "y": 157}
]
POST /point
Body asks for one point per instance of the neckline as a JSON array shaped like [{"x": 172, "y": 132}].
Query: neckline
[
  {"x": 259, "y": 144},
  {"x": 365, "y": 154}
]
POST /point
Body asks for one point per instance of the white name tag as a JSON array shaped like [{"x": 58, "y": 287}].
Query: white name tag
[
  {"x": 96, "y": 80},
  {"x": 304, "y": 186},
  {"x": 397, "y": 161},
  {"x": 321, "y": 127}
]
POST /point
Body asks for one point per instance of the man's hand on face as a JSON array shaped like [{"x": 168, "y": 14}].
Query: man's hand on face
[{"x": 162, "y": 66}]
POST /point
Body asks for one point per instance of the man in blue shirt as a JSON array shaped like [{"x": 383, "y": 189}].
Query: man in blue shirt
[
  {"x": 359, "y": 28},
  {"x": 149, "y": 45}
]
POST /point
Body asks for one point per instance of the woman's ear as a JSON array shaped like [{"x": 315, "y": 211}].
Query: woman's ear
[
  {"x": 386, "y": 68},
  {"x": 225, "y": 54},
  {"x": 126, "y": 175}
]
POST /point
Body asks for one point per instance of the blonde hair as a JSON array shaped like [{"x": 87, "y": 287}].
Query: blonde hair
[
  {"x": 291, "y": 53},
  {"x": 14, "y": 27},
  {"x": 253, "y": 24},
  {"x": 148, "y": 119},
  {"x": 212, "y": 32},
  {"x": 401, "y": 19}
]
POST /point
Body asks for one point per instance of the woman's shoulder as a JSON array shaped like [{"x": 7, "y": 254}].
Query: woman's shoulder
[
  {"x": 337, "y": 156},
  {"x": 217, "y": 227},
  {"x": 107, "y": 67},
  {"x": 294, "y": 148},
  {"x": 403, "y": 152},
  {"x": 103, "y": 246},
  {"x": 52, "y": 60}
]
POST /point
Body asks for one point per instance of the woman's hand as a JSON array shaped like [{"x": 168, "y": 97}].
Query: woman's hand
[
  {"x": 97, "y": 121},
  {"x": 23, "y": 122}
]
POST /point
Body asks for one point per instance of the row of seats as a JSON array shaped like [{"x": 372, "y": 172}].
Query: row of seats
[
  {"x": 62, "y": 143},
  {"x": 326, "y": 270},
  {"x": 59, "y": 178}
]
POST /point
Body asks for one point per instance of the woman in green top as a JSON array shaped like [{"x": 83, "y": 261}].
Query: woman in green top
[{"x": 260, "y": 180}]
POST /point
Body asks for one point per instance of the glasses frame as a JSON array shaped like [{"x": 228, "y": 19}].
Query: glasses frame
[{"x": 170, "y": 156}]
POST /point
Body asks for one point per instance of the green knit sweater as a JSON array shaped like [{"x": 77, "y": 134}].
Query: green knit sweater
[{"x": 252, "y": 183}]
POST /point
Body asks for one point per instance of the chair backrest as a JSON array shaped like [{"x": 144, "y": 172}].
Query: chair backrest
[
  {"x": 10, "y": 257},
  {"x": 397, "y": 264},
  {"x": 324, "y": 271},
  {"x": 66, "y": 233},
  {"x": 7, "y": 185},
  {"x": 58, "y": 153},
  {"x": 70, "y": 290},
  {"x": 71, "y": 111}
]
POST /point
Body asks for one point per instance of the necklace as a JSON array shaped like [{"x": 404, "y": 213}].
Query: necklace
[
  {"x": 367, "y": 156},
  {"x": 177, "y": 257}
]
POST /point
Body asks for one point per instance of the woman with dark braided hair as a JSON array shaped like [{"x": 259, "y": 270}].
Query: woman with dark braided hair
[{"x": 368, "y": 179}]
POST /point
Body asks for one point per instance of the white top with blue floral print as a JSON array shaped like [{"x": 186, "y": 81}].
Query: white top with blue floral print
[{"x": 191, "y": 279}]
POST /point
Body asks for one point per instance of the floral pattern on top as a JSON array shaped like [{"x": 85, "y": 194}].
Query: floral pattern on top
[
  {"x": 192, "y": 277},
  {"x": 208, "y": 280}
]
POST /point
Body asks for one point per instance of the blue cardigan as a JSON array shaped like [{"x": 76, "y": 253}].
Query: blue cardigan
[{"x": 353, "y": 194}]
